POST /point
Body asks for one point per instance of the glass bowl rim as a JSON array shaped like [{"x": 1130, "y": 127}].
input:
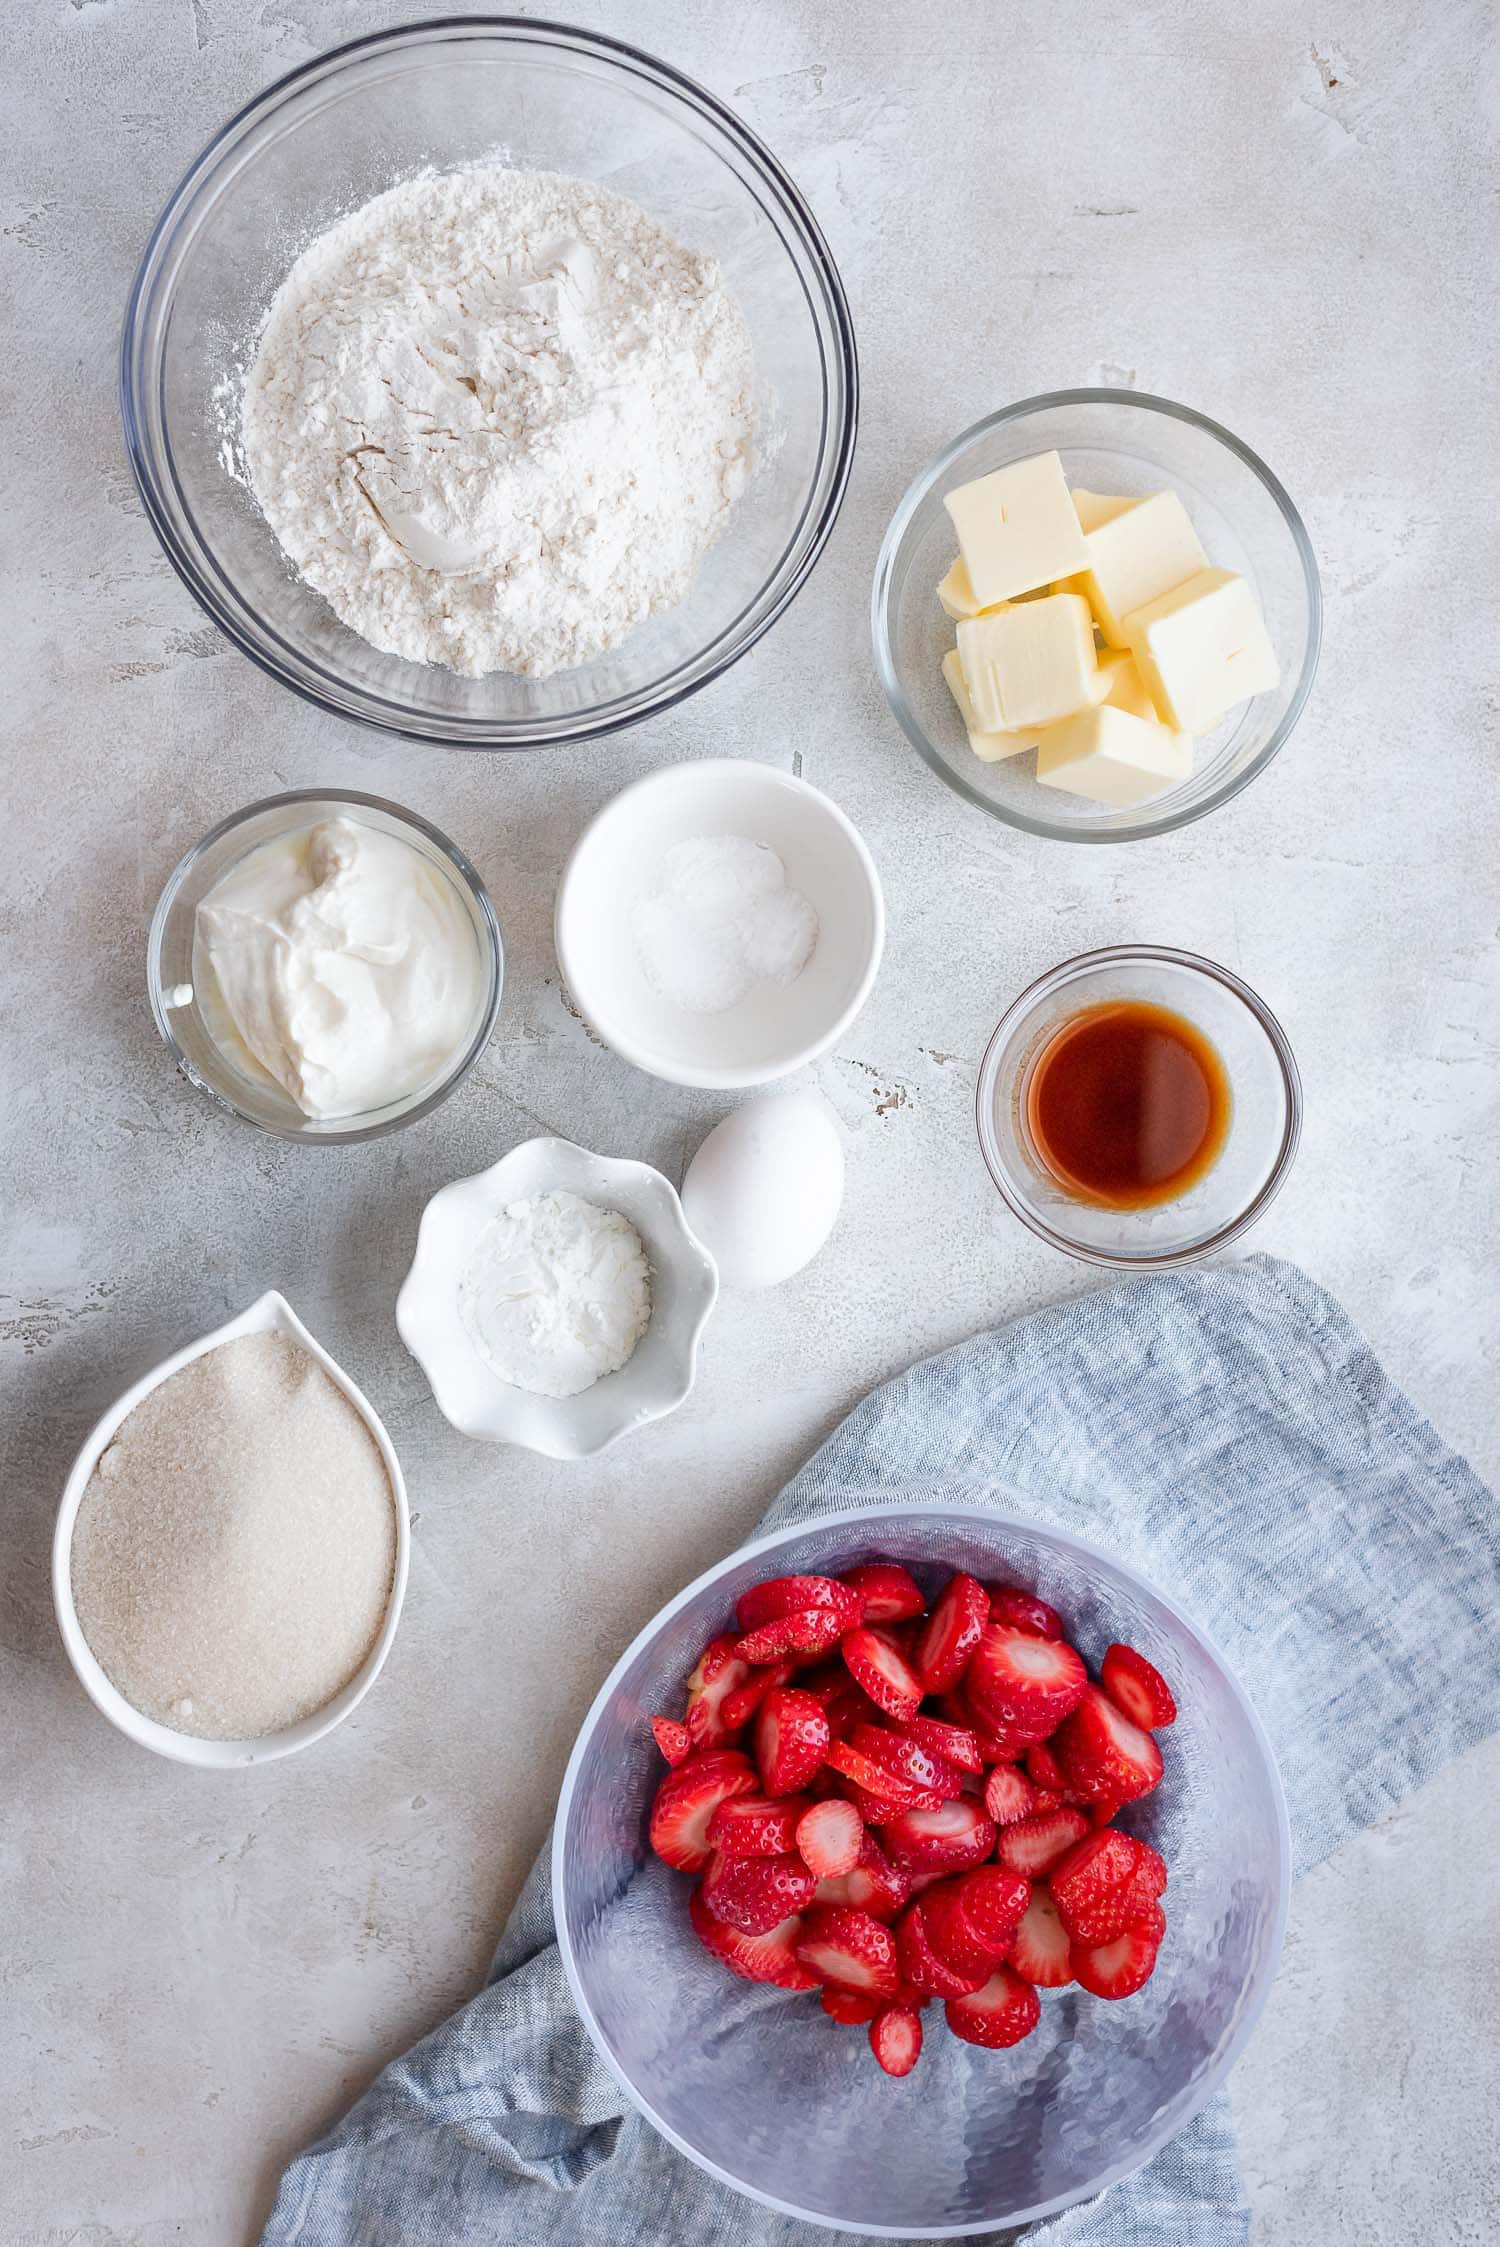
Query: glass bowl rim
[
  {"x": 346, "y": 1133},
  {"x": 153, "y": 471},
  {"x": 1166, "y": 822},
  {"x": 866, "y": 1522},
  {"x": 1154, "y": 954}
]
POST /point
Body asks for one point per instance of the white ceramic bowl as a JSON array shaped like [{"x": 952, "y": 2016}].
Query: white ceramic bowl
[
  {"x": 772, "y": 1031},
  {"x": 684, "y": 1285},
  {"x": 272, "y": 1314}
]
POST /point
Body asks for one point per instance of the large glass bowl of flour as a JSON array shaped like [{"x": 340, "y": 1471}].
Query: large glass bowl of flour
[{"x": 319, "y": 145}]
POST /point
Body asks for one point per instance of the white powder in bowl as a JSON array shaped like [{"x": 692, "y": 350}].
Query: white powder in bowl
[
  {"x": 556, "y": 1294},
  {"x": 722, "y": 918},
  {"x": 235, "y": 1545}
]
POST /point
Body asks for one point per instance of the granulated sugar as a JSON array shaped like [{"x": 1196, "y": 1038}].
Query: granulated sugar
[{"x": 234, "y": 1549}]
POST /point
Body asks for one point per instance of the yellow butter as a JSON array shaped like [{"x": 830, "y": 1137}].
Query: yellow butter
[
  {"x": 1094, "y": 508},
  {"x": 1017, "y": 529},
  {"x": 991, "y": 746},
  {"x": 1146, "y": 550},
  {"x": 1112, "y": 758},
  {"x": 1030, "y": 663},
  {"x": 1202, "y": 648}
]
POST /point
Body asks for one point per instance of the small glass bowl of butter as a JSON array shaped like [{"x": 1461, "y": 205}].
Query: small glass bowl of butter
[
  {"x": 325, "y": 965},
  {"x": 1112, "y": 446}
]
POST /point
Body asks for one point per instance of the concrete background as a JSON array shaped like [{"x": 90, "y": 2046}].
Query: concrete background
[{"x": 1278, "y": 214}]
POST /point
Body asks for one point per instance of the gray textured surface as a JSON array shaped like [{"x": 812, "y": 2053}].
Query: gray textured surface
[{"x": 1277, "y": 216}]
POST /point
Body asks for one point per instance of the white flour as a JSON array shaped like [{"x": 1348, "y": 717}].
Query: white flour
[
  {"x": 556, "y": 1294},
  {"x": 496, "y": 418}
]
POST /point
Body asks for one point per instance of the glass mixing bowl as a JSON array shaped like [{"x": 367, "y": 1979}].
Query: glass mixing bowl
[
  {"x": 346, "y": 126},
  {"x": 1110, "y": 441},
  {"x": 763, "y": 2091}
]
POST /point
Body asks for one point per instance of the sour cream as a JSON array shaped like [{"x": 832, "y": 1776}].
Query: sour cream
[{"x": 342, "y": 964}]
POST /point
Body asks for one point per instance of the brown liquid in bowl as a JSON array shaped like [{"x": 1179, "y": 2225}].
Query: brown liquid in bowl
[{"x": 1128, "y": 1105}]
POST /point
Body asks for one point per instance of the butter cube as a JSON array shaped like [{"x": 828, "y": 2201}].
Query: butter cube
[
  {"x": 1201, "y": 649},
  {"x": 1030, "y": 663},
  {"x": 1094, "y": 508},
  {"x": 1114, "y": 663},
  {"x": 1127, "y": 689},
  {"x": 991, "y": 746},
  {"x": 1017, "y": 529},
  {"x": 956, "y": 593},
  {"x": 1146, "y": 550},
  {"x": 1112, "y": 758}
]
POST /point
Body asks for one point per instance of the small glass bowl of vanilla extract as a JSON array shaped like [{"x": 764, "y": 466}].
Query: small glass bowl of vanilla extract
[{"x": 1139, "y": 1106}]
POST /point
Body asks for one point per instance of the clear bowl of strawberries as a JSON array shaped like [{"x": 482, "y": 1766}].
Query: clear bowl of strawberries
[{"x": 868, "y": 1840}]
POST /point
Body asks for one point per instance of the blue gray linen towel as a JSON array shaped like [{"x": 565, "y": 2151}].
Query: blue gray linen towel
[{"x": 1231, "y": 1434}]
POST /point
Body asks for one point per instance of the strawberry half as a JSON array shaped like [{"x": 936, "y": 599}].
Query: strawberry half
[
  {"x": 808, "y": 1630},
  {"x": 1120, "y": 1968},
  {"x": 1103, "y": 1753},
  {"x": 738, "y": 1707},
  {"x": 1008, "y": 1795},
  {"x": 994, "y": 1902},
  {"x": 1000, "y": 2013},
  {"x": 850, "y": 1948},
  {"x": 1033, "y": 1846},
  {"x": 1023, "y": 1685},
  {"x": 876, "y": 1780},
  {"x": 900, "y": 1753},
  {"x": 948, "y": 1839},
  {"x": 748, "y": 1825},
  {"x": 875, "y": 1885},
  {"x": 1138, "y": 1687},
  {"x": 789, "y": 1595},
  {"x": 791, "y": 1739},
  {"x": 891, "y": 1594},
  {"x": 957, "y": 1744},
  {"x": 952, "y": 1632},
  {"x": 923, "y": 1964},
  {"x": 851, "y": 2008},
  {"x": 879, "y": 1668},
  {"x": 672, "y": 1738},
  {"x": 716, "y": 1674},
  {"x": 1095, "y": 1885},
  {"x": 1024, "y": 1611},
  {"x": 756, "y": 1894},
  {"x": 951, "y": 1933},
  {"x": 830, "y": 1836},
  {"x": 686, "y": 1801},
  {"x": 896, "y": 2039},
  {"x": 769, "y": 1958},
  {"x": 1042, "y": 1951}
]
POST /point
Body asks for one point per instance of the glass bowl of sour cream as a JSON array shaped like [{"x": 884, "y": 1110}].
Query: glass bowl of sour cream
[{"x": 325, "y": 965}]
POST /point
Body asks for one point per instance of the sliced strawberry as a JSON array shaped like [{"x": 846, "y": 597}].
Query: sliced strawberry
[
  {"x": 924, "y": 1966},
  {"x": 1138, "y": 1687},
  {"x": 686, "y": 1801},
  {"x": 1046, "y": 1802},
  {"x": 1103, "y": 1753},
  {"x": 891, "y": 1594},
  {"x": 1042, "y": 1952},
  {"x": 740, "y": 1706},
  {"x": 672, "y": 1738},
  {"x": 1094, "y": 1885},
  {"x": 748, "y": 1825},
  {"x": 1008, "y": 1795},
  {"x": 791, "y": 1739},
  {"x": 954, "y": 1937},
  {"x": 948, "y": 1839},
  {"x": 1032, "y": 1847},
  {"x": 875, "y": 1885},
  {"x": 1022, "y": 1685},
  {"x": 844, "y": 1704},
  {"x": 756, "y": 1893},
  {"x": 957, "y": 1744},
  {"x": 1104, "y": 1810},
  {"x": 849, "y": 1947},
  {"x": 897, "y": 1751},
  {"x": 808, "y": 1630},
  {"x": 1023, "y": 1611},
  {"x": 878, "y": 1810},
  {"x": 872, "y": 1778},
  {"x": 830, "y": 1836},
  {"x": 715, "y": 1676},
  {"x": 755, "y": 1958},
  {"x": 880, "y": 1669},
  {"x": 1000, "y": 2013},
  {"x": 1044, "y": 1770},
  {"x": 851, "y": 2008},
  {"x": 896, "y": 2039},
  {"x": 994, "y": 1901},
  {"x": 1120, "y": 1968},
  {"x": 791, "y": 1595},
  {"x": 951, "y": 1632}
]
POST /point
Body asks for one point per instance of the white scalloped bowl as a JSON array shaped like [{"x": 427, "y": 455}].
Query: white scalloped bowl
[{"x": 657, "y": 1377}]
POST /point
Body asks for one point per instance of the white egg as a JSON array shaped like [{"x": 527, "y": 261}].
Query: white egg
[{"x": 764, "y": 1189}]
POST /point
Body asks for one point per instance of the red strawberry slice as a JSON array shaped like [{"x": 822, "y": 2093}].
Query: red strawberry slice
[
  {"x": 896, "y": 2039},
  {"x": 715, "y": 1676},
  {"x": 1000, "y": 2013},
  {"x": 1105, "y": 1809},
  {"x": 756, "y": 1894},
  {"x": 830, "y": 1836},
  {"x": 1042, "y": 1952},
  {"x": 672, "y": 1738},
  {"x": 875, "y": 1885},
  {"x": 1044, "y": 1770},
  {"x": 924, "y": 1966},
  {"x": 1008, "y": 1795},
  {"x": 851, "y": 2008},
  {"x": 1022, "y": 1685},
  {"x": 686, "y": 1801},
  {"x": 879, "y": 1668},
  {"x": 1103, "y": 1753},
  {"x": 740, "y": 1706},
  {"x": 1138, "y": 1687},
  {"x": 948, "y": 1839},
  {"x": 808, "y": 1630},
  {"x": 790, "y": 1595},
  {"x": 1033, "y": 1846},
  {"x": 957, "y": 1744},
  {"x": 1024, "y": 1611},
  {"x": 844, "y": 1704},
  {"x": 791, "y": 1739},
  {"x": 898, "y": 1752},
  {"x": 952, "y": 1632},
  {"x": 849, "y": 1947},
  {"x": 951, "y": 1933},
  {"x": 994, "y": 1901},
  {"x": 1120, "y": 1968},
  {"x": 748, "y": 1825},
  {"x": 891, "y": 1594},
  {"x": 755, "y": 1958},
  {"x": 876, "y": 1780},
  {"x": 878, "y": 1810},
  {"x": 1094, "y": 1885}
]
